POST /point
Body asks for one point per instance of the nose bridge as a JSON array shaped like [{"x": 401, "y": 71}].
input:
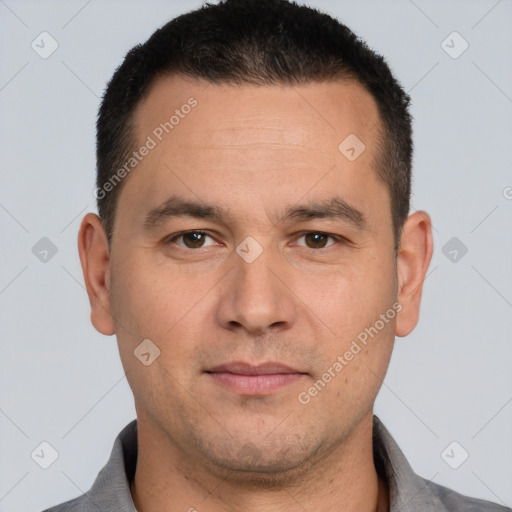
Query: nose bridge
[
  {"x": 255, "y": 269},
  {"x": 255, "y": 297}
]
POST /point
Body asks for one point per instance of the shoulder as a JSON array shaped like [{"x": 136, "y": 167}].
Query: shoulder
[
  {"x": 453, "y": 501},
  {"x": 110, "y": 491},
  {"x": 410, "y": 491}
]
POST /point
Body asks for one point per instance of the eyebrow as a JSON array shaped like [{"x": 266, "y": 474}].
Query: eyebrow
[{"x": 333, "y": 208}]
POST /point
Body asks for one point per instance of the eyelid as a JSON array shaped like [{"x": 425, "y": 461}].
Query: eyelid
[
  {"x": 337, "y": 238},
  {"x": 171, "y": 239}
]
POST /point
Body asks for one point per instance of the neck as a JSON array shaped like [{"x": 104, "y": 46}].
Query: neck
[{"x": 345, "y": 479}]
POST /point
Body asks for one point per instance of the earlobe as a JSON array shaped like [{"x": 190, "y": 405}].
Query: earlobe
[
  {"x": 95, "y": 260},
  {"x": 414, "y": 257}
]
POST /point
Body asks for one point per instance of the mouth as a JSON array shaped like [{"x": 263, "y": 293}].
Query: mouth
[{"x": 255, "y": 380}]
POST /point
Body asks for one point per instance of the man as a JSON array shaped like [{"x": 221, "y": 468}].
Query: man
[{"x": 255, "y": 257}]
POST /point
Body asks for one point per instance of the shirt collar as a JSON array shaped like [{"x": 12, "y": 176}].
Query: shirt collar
[
  {"x": 111, "y": 489},
  {"x": 408, "y": 491}
]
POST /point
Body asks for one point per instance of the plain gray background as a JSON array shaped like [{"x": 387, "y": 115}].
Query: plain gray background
[{"x": 450, "y": 380}]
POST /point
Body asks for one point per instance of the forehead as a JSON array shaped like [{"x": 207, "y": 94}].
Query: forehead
[
  {"x": 294, "y": 115},
  {"x": 268, "y": 143}
]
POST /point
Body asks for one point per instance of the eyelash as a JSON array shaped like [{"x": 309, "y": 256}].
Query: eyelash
[{"x": 172, "y": 238}]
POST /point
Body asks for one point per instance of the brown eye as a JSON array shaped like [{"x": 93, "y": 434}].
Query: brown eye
[
  {"x": 319, "y": 240},
  {"x": 316, "y": 239},
  {"x": 194, "y": 239},
  {"x": 191, "y": 239}
]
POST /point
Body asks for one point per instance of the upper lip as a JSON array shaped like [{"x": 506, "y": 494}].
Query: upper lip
[{"x": 242, "y": 368}]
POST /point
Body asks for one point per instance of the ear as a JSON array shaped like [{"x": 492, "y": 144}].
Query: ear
[
  {"x": 413, "y": 259},
  {"x": 95, "y": 260}
]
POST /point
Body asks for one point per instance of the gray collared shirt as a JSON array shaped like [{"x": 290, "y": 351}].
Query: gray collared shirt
[{"x": 409, "y": 492}]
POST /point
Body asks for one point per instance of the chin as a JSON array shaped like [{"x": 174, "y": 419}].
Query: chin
[{"x": 261, "y": 463}]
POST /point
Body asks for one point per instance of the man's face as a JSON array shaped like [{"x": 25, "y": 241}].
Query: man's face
[{"x": 255, "y": 154}]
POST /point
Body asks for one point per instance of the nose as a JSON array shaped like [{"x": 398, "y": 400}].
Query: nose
[{"x": 256, "y": 296}]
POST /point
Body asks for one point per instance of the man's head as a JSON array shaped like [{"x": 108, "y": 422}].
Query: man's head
[
  {"x": 254, "y": 42},
  {"x": 255, "y": 236}
]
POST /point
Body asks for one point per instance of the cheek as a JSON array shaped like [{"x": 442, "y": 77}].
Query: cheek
[
  {"x": 152, "y": 306},
  {"x": 351, "y": 296},
  {"x": 350, "y": 304},
  {"x": 164, "y": 306},
  {"x": 149, "y": 299}
]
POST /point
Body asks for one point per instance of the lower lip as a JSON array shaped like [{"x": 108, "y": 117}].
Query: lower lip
[{"x": 256, "y": 384}]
